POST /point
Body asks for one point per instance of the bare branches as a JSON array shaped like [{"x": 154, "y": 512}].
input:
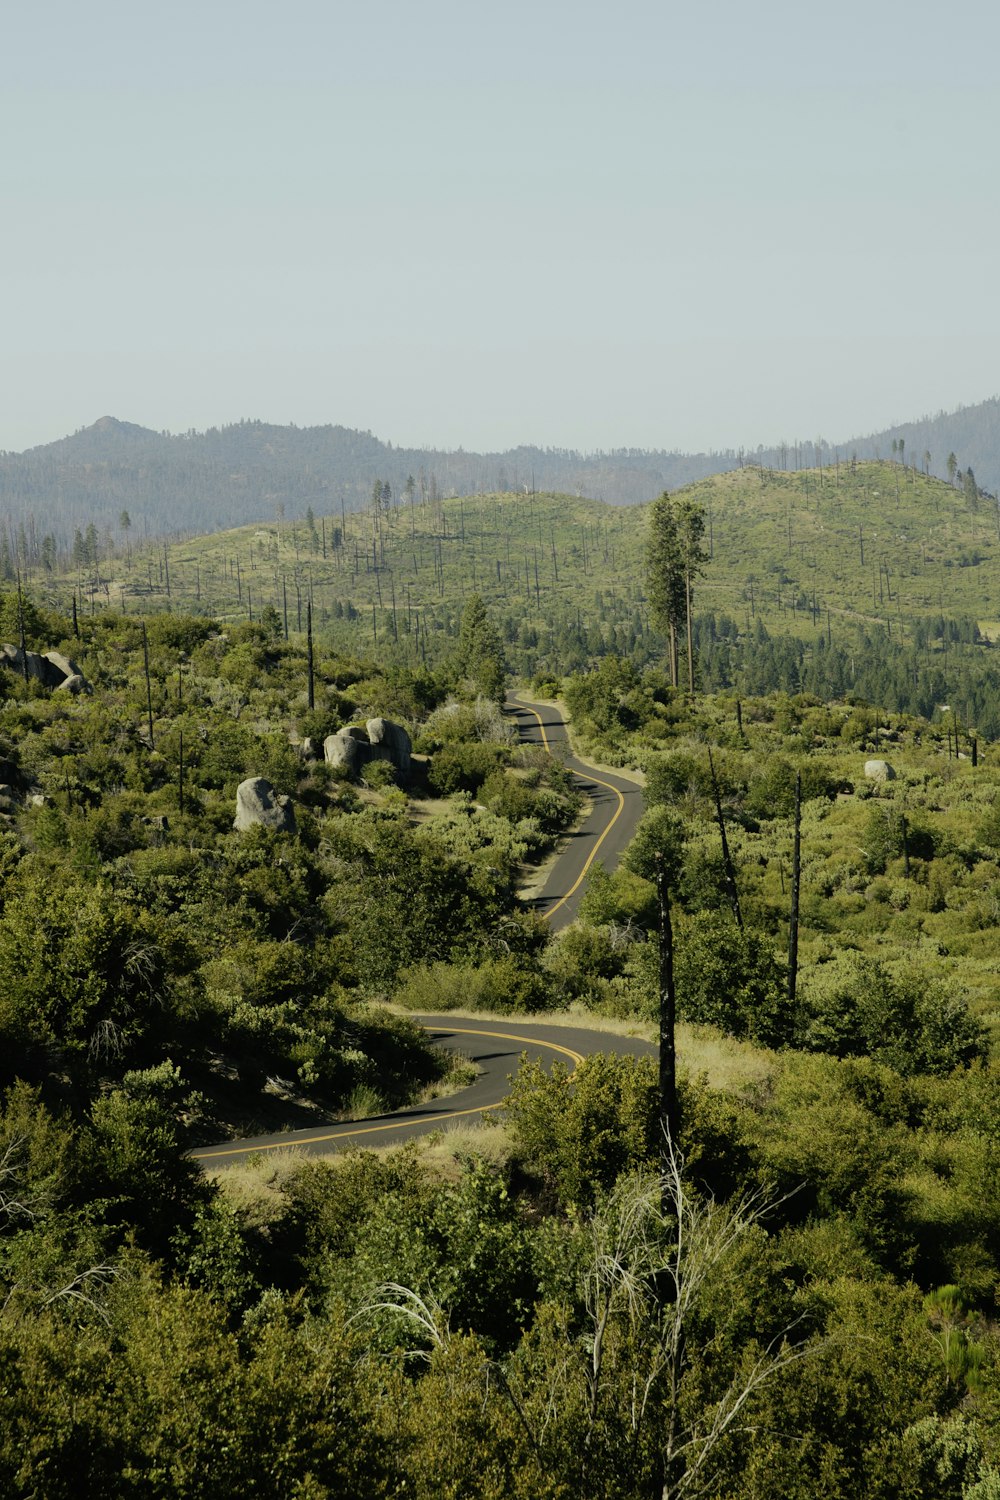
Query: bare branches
[
  {"x": 16, "y": 1200},
  {"x": 83, "y": 1289},
  {"x": 423, "y": 1313}
]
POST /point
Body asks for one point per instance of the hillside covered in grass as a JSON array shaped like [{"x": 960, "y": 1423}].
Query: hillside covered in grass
[{"x": 866, "y": 579}]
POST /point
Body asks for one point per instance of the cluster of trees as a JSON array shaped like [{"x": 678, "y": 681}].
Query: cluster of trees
[{"x": 913, "y": 677}]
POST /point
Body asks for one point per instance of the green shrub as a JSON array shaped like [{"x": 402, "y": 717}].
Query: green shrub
[
  {"x": 854, "y": 1007},
  {"x": 500, "y": 984},
  {"x": 726, "y": 977},
  {"x": 464, "y": 767},
  {"x": 577, "y": 1133}
]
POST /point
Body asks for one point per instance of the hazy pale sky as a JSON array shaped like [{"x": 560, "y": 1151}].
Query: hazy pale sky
[{"x": 578, "y": 224}]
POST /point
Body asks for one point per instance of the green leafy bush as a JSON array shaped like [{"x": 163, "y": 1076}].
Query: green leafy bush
[
  {"x": 854, "y": 1007},
  {"x": 498, "y": 984}
]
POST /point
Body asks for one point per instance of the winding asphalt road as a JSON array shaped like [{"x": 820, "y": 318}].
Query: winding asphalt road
[
  {"x": 607, "y": 830},
  {"x": 496, "y": 1046}
]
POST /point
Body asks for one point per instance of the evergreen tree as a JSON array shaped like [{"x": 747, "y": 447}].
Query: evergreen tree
[
  {"x": 674, "y": 557},
  {"x": 971, "y": 490},
  {"x": 480, "y": 650}
]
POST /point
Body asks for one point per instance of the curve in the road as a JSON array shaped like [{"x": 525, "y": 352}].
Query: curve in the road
[
  {"x": 616, "y": 806},
  {"x": 495, "y": 1062}
]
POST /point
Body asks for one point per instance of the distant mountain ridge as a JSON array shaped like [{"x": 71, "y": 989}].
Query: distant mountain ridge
[
  {"x": 227, "y": 476},
  {"x": 248, "y": 470},
  {"x": 971, "y": 433}
]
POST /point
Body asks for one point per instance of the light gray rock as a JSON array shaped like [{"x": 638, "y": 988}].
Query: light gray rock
[
  {"x": 390, "y": 742},
  {"x": 381, "y": 739},
  {"x": 307, "y": 749},
  {"x": 38, "y": 668},
  {"x": 63, "y": 664},
  {"x": 346, "y": 751},
  {"x": 258, "y": 805},
  {"x": 879, "y": 770},
  {"x": 52, "y": 670},
  {"x": 75, "y": 684}
]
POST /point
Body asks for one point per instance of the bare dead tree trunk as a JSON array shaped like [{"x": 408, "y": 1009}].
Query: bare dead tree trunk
[
  {"x": 727, "y": 860},
  {"x": 690, "y": 637},
  {"x": 669, "y": 1125},
  {"x": 22, "y": 642},
  {"x": 793, "y": 926},
  {"x": 309, "y": 654},
  {"x": 149, "y": 689}
]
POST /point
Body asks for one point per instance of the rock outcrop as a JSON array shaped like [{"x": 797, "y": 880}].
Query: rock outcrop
[
  {"x": 879, "y": 770},
  {"x": 346, "y": 751},
  {"x": 51, "y": 668},
  {"x": 259, "y": 805},
  {"x": 390, "y": 742},
  {"x": 354, "y": 748}
]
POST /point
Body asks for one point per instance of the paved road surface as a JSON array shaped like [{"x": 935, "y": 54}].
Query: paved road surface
[
  {"x": 616, "y": 807},
  {"x": 496, "y": 1046}
]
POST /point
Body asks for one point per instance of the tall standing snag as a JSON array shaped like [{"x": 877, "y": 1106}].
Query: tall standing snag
[
  {"x": 727, "y": 859},
  {"x": 149, "y": 690},
  {"x": 668, "y": 1019},
  {"x": 309, "y": 654},
  {"x": 793, "y": 926}
]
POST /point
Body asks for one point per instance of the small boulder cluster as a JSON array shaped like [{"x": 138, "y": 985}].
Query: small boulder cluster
[
  {"x": 353, "y": 748},
  {"x": 51, "y": 669}
]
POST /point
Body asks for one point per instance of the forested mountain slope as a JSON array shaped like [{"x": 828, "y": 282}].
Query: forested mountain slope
[
  {"x": 200, "y": 481},
  {"x": 249, "y": 470}
]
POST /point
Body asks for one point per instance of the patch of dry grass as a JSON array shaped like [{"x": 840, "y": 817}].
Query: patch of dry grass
[
  {"x": 444, "y": 1152},
  {"x": 255, "y": 1186},
  {"x": 732, "y": 1066}
]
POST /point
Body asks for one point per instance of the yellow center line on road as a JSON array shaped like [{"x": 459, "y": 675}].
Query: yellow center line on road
[
  {"x": 347, "y": 1132},
  {"x": 593, "y": 853}
]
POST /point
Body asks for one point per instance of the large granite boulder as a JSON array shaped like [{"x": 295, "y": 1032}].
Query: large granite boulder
[
  {"x": 344, "y": 749},
  {"x": 879, "y": 770},
  {"x": 259, "y": 805},
  {"x": 64, "y": 665},
  {"x": 354, "y": 748},
  {"x": 52, "y": 670},
  {"x": 390, "y": 742}
]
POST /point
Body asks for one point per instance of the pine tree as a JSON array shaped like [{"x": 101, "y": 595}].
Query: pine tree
[
  {"x": 674, "y": 558},
  {"x": 480, "y": 650}
]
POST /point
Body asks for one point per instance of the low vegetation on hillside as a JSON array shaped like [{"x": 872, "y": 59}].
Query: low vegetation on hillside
[{"x": 806, "y": 1304}]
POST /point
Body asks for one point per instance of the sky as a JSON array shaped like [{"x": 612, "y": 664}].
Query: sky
[{"x": 645, "y": 224}]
